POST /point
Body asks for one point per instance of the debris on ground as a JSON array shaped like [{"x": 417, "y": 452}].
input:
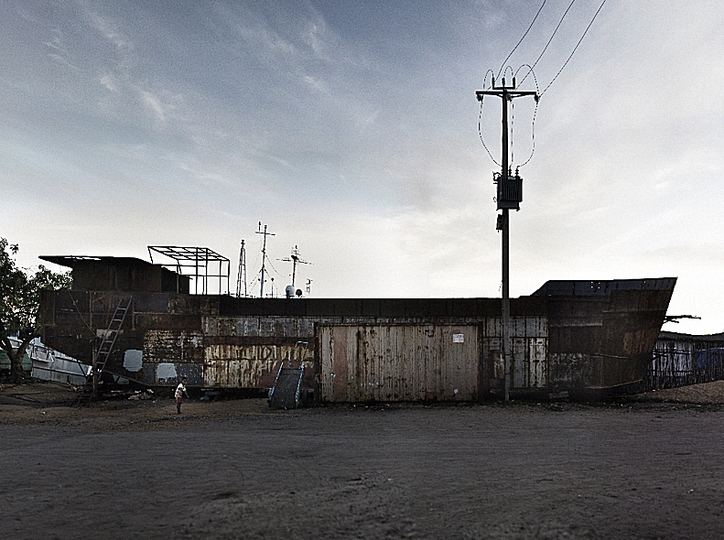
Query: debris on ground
[
  {"x": 142, "y": 394},
  {"x": 704, "y": 393}
]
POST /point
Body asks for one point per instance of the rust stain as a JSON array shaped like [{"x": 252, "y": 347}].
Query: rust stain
[
  {"x": 398, "y": 362},
  {"x": 253, "y": 365}
]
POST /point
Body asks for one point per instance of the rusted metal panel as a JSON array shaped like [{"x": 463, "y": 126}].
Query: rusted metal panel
[
  {"x": 519, "y": 365},
  {"x": 179, "y": 346},
  {"x": 602, "y": 333},
  {"x": 398, "y": 362},
  {"x": 459, "y": 348},
  {"x": 253, "y": 365},
  {"x": 529, "y": 362},
  {"x": 334, "y": 363},
  {"x": 538, "y": 362},
  {"x": 167, "y": 355},
  {"x": 167, "y": 321},
  {"x": 281, "y": 327},
  {"x": 247, "y": 351},
  {"x": 571, "y": 370}
]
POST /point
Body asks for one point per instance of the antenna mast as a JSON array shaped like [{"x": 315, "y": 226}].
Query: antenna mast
[
  {"x": 241, "y": 275},
  {"x": 263, "y": 257},
  {"x": 295, "y": 259}
]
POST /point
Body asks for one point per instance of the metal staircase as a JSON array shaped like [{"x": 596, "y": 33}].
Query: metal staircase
[{"x": 90, "y": 390}]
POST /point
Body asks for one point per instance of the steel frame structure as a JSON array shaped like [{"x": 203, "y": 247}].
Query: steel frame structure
[{"x": 199, "y": 263}]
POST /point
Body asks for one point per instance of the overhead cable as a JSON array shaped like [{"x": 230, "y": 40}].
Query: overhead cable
[
  {"x": 480, "y": 120},
  {"x": 522, "y": 38},
  {"x": 574, "y": 48},
  {"x": 535, "y": 112},
  {"x": 555, "y": 31}
]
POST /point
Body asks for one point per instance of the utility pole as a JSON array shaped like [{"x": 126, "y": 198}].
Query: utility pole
[
  {"x": 263, "y": 257},
  {"x": 510, "y": 194}
]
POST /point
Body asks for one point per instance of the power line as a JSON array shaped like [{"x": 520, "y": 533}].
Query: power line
[
  {"x": 535, "y": 113},
  {"x": 555, "y": 31},
  {"x": 574, "y": 48},
  {"x": 485, "y": 78},
  {"x": 532, "y": 133},
  {"x": 522, "y": 38},
  {"x": 512, "y": 131},
  {"x": 480, "y": 119},
  {"x": 531, "y": 71}
]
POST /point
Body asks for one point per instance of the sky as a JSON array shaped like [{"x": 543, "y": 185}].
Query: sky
[{"x": 352, "y": 130}]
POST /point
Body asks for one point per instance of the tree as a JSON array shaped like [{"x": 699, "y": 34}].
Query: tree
[{"x": 20, "y": 301}]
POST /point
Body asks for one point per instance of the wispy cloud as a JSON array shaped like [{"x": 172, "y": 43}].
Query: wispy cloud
[
  {"x": 107, "y": 27},
  {"x": 58, "y": 52},
  {"x": 352, "y": 127},
  {"x": 60, "y": 60},
  {"x": 160, "y": 103},
  {"x": 109, "y": 81},
  {"x": 316, "y": 84}
]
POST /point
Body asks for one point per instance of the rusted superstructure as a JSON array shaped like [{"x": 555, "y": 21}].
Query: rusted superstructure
[{"x": 576, "y": 336}]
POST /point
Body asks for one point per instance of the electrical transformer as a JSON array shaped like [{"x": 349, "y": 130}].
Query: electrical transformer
[{"x": 510, "y": 191}]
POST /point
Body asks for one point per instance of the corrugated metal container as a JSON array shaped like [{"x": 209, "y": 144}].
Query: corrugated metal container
[{"x": 360, "y": 363}]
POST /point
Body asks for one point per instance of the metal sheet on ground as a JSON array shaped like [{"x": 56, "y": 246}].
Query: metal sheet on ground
[{"x": 284, "y": 393}]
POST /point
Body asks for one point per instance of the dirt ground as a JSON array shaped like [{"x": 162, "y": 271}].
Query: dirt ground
[{"x": 645, "y": 468}]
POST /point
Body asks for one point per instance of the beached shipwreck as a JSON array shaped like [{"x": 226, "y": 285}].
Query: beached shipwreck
[{"x": 586, "y": 338}]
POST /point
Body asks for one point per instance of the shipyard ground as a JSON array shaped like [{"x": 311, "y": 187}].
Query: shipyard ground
[{"x": 236, "y": 470}]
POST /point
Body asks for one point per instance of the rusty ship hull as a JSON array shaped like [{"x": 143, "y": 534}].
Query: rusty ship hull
[{"x": 582, "y": 337}]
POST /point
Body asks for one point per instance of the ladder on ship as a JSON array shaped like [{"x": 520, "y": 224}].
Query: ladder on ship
[{"x": 90, "y": 390}]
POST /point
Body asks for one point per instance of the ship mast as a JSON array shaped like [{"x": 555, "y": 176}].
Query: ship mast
[
  {"x": 295, "y": 259},
  {"x": 263, "y": 256},
  {"x": 241, "y": 274}
]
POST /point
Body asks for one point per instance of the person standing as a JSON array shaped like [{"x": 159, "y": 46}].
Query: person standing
[{"x": 180, "y": 391}]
